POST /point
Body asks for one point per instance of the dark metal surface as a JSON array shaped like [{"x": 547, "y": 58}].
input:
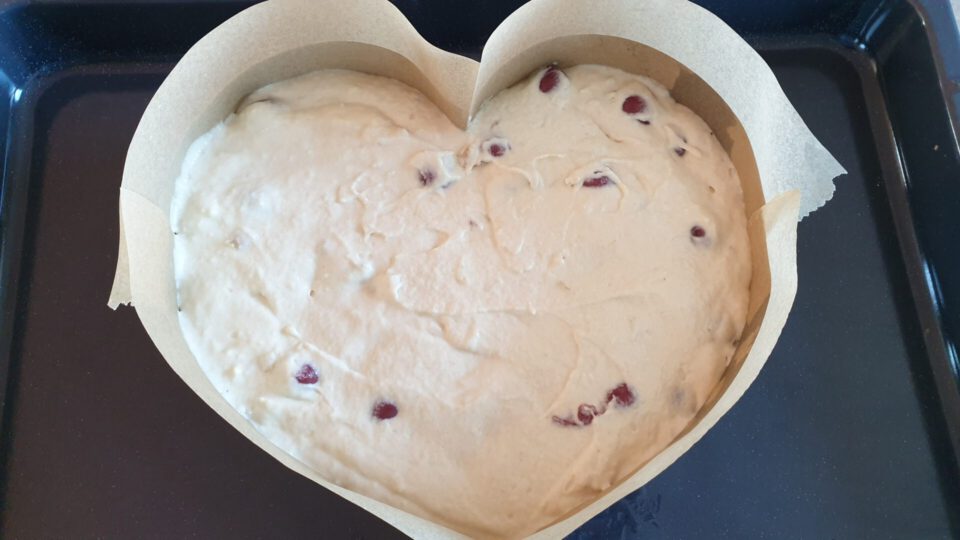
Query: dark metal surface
[{"x": 851, "y": 430}]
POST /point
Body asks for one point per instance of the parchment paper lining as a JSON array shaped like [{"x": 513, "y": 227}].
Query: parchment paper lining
[{"x": 785, "y": 171}]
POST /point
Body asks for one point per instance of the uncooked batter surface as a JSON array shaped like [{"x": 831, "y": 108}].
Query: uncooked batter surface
[{"x": 485, "y": 328}]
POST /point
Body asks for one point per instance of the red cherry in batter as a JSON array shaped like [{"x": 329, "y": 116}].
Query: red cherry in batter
[
  {"x": 384, "y": 410},
  {"x": 307, "y": 374},
  {"x": 550, "y": 79},
  {"x": 596, "y": 181},
  {"x": 634, "y": 105},
  {"x": 586, "y": 412},
  {"x": 621, "y": 395},
  {"x": 427, "y": 177}
]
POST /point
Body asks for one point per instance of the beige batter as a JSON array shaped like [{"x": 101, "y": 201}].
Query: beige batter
[{"x": 487, "y": 329}]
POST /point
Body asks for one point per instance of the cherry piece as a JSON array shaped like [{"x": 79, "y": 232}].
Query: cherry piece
[
  {"x": 496, "y": 147},
  {"x": 427, "y": 177},
  {"x": 596, "y": 181},
  {"x": 634, "y": 105},
  {"x": 384, "y": 410},
  {"x": 622, "y": 395},
  {"x": 307, "y": 375},
  {"x": 586, "y": 412},
  {"x": 566, "y": 422},
  {"x": 697, "y": 231},
  {"x": 680, "y": 151},
  {"x": 550, "y": 79}
]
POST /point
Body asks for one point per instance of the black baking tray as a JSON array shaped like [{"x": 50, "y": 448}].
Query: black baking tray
[{"x": 852, "y": 430}]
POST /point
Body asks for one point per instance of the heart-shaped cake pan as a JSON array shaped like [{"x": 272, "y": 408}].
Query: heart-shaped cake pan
[{"x": 785, "y": 172}]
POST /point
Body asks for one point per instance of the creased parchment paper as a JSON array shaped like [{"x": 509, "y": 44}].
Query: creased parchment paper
[{"x": 785, "y": 171}]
